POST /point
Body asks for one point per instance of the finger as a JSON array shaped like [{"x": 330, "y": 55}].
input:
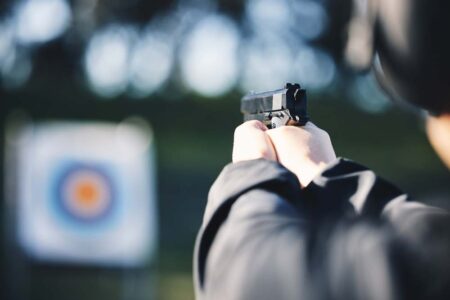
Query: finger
[
  {"x": 285, "y": 130},
  {"x": 277, "y": 138},
  {"x": 256, "y": 124},
  {"x": 272, "y": 147}
]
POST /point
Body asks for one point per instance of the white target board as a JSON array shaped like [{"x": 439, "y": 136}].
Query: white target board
[{"x": 85, "y": 192}]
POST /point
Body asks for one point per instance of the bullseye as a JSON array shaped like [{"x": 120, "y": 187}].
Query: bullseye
[{"x": 85, "y": 193}]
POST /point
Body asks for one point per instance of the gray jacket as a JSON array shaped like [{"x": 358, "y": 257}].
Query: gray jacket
[{"x": 348, "y": 235}]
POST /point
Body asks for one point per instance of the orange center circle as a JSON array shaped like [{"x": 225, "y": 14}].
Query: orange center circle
[{"x": 86, "y": 194}]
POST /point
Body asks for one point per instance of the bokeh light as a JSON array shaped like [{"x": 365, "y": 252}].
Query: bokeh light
[
  {"x": 6, "y": 41},
  {"x": 39, "y": 21},
  {"x": 269, "y": 15},
  {"x": 106, "y": 60},
  {"x": 212, "y": 53},
  {"x": 267, "y": 64},
  {"x": 313, "y": 68},
  {"x": 151, "y": 63},
  {"x": 15, "y": 63},
  {"x": 310, "y": 18},
  {"x": 209, "y": 56},
  {"x": 16, "y": 69}
]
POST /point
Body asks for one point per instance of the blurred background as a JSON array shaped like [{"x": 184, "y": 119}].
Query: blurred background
[{"x": 119, "y": 115}]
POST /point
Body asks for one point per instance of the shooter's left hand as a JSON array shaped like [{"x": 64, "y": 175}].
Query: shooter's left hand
[{"x": 252, "y": 142}]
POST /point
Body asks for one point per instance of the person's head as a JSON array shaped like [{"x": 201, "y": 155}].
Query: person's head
[{"x": 408, "y": 40}]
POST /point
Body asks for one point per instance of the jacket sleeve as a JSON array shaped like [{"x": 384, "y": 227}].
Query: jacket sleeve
[
  {"x": 377, "y": 230},
  {"x": 262, "y": 237},
  {"x": 248, "y": 206}
]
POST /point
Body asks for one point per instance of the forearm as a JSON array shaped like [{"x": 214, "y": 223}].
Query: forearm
[{"x": 235, "y": 182}]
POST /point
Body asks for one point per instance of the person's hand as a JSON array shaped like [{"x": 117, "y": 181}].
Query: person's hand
[
  {"x": 252, "y": 142},
  {"x": 305, "y": 151}
]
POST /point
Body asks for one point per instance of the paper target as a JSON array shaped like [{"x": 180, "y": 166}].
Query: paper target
[{"x": 85, "y": 192}]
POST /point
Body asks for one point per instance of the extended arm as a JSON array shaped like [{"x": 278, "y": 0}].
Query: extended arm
[{"x": 349, "y": 234}]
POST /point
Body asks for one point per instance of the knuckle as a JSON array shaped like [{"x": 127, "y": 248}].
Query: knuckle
[
  {"x": 252, "y": 123},
  {"x": 325, "y": 134},
  {"x": 286, "y": 129}
]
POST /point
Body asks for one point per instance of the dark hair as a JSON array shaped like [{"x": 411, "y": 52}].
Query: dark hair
[
  {"x": 412, "y": 49},
  {"x": 420, "y": 71}
]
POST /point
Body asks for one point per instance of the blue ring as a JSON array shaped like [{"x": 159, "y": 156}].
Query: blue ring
[{"x": 66, "y": 174}]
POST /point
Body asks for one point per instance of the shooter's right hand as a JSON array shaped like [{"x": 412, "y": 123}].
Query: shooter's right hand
[{"x": 305, "y": 151}]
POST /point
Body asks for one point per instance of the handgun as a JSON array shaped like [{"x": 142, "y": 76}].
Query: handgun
[{"x": 277, "y": 108}]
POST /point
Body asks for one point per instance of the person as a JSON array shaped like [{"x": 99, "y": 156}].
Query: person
[{"x": 287, "y": 219}]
